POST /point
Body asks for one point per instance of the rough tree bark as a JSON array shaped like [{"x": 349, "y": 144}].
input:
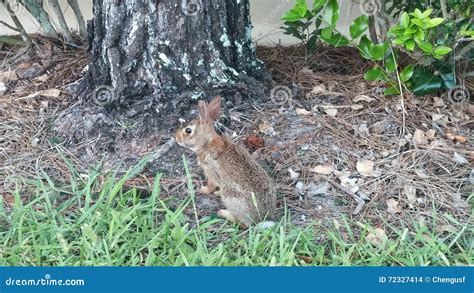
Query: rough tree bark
[{"x": 153, "y": 58}]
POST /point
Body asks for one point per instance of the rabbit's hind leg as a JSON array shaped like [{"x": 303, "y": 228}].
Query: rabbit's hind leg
[{"x": 226, "y": 214}]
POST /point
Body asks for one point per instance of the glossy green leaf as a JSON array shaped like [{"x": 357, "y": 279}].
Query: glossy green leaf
[
  {"x": 374, "y": 74},
  {"x": 396, "y": 30},
  {"x": 407, "y": 72},
  {"x": 425, "y": 82},
  {"x": 410, "y": 45},
  {"x": 469, "y": 33},
  {"x": 326, "y": 33},
  {"x": 301, "y": 7},
  {"x": 364, "y": 47},
  {"x": 410, "y": 30},
  {"x": 402, "y": 40},
  {"x": 336, "y": 40},
  {"x": 417, "y": 13},
  {"x": 359, "y": 26},
  {"x": 426, "y": 13},
  {"x": 311, "y": 44},
  {"x": 449, "y": 80},
  {"x": 331, "y": 13},
  {"x": 434, "y": 22},
  {"x": 405, "y": 20},
  {"x": 425, "y": 46},
  {"x": 393, "y": 90},
  {"x": 291, "y": 15},
  {"x": 420, "y": 35},
  {"x": 442, "y": 50},
  {"x": 418, "y": 22},
  {"x": 378, "y": 51},
  {"x": 390, "y": 64},
  {"x": 317, "y": 4}
]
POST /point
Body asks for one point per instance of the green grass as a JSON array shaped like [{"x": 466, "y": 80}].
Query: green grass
[{"x": 92, "y": 223}]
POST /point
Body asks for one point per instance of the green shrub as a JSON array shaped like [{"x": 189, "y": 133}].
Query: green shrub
[{"x": 436, "y": 35}]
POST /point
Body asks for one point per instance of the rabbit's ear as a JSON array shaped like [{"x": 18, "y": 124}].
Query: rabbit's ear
[
  {"x": 215, "y": 108},
  {"x": 203, "y": 112}
]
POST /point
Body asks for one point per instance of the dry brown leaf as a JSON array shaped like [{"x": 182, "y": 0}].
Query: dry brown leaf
[
  {"x": 306, "y": 70},
  {"x": 438, "y": 102},
  {"x": 365, "y": 167},
  {"x": 42, "y": 78},
  {"x": 293, "y": 174},
  {"x": 253, "y": 142},
  {"x": 266, "y": 128},
  {"x": 8, "y": 75},
  {"x": 421, "y": 173},
  {"x": 306, "y": 259},
  {"x": 450, "y": 136},
  {"x": 377, "y": 237},
  {"x": 330, "y": 111},
  {"x": 393, "y": 207},
  {"x": 410, "y": 193},
  {"x": 470, "y": 109},
  {"x": 437, "y": 117},
  {"x": 322, "y": 169},
  {"x": 54, "y": 93},
  {"x": 318, "y": 89},
  {"x": 460, "y": 138},
  {"x": 8, "y": 199},
  {"x": 25, "y": 65},
  {"x": 419, "y": 137},
  {"x": 445, "y": 228},
  {"x": 357, "y": 107},
  {"x": 430, "y": 134},
  {"x": 363, "y": 98},
  {"x": 460, "y": 159},
  {"x": 301, "y": 111}
]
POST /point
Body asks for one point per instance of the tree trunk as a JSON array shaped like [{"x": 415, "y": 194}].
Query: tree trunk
[{"x": 155, "y": 58}]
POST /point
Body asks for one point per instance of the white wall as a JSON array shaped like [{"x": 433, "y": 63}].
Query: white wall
[{"x": 266, "y": 16}]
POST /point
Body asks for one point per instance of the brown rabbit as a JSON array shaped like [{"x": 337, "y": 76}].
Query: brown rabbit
[{"x": 243, "y": 185}]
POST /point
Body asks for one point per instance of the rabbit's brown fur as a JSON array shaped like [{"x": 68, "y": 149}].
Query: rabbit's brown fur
[{"x": 243, "y": 185}]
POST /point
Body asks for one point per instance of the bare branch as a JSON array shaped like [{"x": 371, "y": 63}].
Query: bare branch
[
  {"x": 9, "y": 26},
  {"x": 373, "y": 30},
  {"x": 19, "y": 26},
  {"x": 62, "y": 21},
  {"x": 443, "y": 9},
  {"x": 79, "y": 17}
]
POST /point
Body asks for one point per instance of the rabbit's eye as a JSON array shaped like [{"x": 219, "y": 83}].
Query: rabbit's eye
[{"x": 188, "y": 130}]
